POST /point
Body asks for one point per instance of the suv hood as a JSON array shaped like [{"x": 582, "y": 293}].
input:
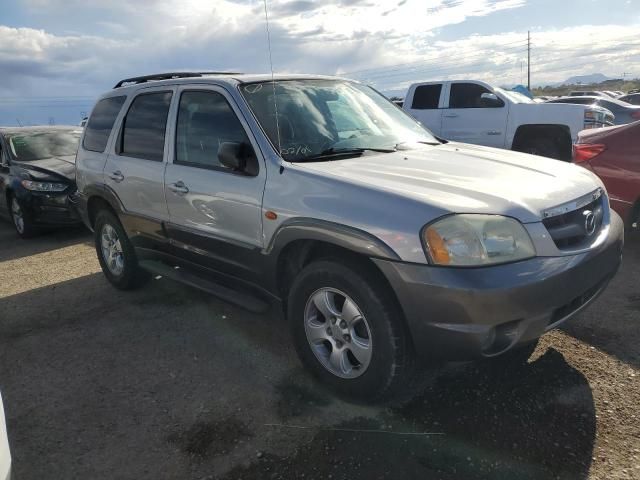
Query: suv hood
[
  {"x": 57, "y": 167},
  {"x": 462, "y": 178}
]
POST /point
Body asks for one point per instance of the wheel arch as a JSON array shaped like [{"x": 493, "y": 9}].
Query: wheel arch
[{"x": 561, "y": 134}]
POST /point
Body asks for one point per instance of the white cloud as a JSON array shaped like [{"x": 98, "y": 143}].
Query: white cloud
[{"x": 120, "y": 38}]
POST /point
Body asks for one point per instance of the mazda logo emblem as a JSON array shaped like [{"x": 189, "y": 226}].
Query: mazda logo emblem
[{"x": 589, "y": 222}]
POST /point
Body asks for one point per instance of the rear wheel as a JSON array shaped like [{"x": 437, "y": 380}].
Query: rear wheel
[
  {"x": 349, "y": 331},
  {"x": 22, "y": 219},
  {"x": 541, "y": 146},
  {"x": 116, "y": 253}
]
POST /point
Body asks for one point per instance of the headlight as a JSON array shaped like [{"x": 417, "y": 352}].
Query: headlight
[
  {"x": 474, "y": 240},
  {"x": 43, "y": 186}
]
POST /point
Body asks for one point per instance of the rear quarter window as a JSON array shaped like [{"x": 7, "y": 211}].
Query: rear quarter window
[{"x": 99, "y": 126}]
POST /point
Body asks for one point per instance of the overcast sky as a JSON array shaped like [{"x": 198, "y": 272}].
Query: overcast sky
[{"x": 57, "y": 55}]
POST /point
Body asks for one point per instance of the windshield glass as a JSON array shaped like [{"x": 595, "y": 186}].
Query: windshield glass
[
  {"x": 317, "y": 116},
  {"x": 515, "y": 97},
  {"x": 29, "y": 146}
]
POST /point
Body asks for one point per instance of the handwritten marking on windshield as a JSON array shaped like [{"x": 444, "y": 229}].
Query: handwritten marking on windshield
[{"x": 296, "y": 150}]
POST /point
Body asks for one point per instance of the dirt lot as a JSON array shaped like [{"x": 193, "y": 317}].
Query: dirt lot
[{"x": 169, "y": 383}]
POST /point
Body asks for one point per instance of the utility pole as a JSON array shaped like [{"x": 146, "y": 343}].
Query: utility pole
[{"x": 529, "y": 60}]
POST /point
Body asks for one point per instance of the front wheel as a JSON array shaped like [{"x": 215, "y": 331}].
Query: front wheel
[
  {"x": 348, "y": 330},
  {"x": 116, "y": 253},
  {"x": 22, "y": 220}
]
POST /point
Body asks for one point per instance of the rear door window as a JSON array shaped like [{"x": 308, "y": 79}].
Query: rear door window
[
  {"x": 144, "y": 127},
  {"x": 98, "y": 128},
  {"x": 426, "y": 97}
]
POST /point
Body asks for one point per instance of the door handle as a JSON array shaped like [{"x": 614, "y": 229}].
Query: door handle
[
  {"x": 117, "y": 176},
  {"x": 451, "y": 115},
  {"x": 179, "y": 188},
  {"x": 494, "y": 132}
]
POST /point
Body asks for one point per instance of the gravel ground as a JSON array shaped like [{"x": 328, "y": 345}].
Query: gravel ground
[{"x": 170, "y": 383}]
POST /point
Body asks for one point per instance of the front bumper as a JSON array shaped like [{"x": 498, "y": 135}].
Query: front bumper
[
  {"x": 467, "y": 313},
  {"x": 51, "y": 209}
]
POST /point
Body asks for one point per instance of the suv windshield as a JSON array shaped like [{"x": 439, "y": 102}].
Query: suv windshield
[
  {"x": 29, "y": 146},
  {"x": 323, "y": 117}
]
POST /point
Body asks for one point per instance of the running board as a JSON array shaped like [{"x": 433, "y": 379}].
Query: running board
[{"x": 179, "y": 274}]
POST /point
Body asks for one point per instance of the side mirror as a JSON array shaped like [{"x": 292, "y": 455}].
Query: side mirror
[
  {"x": 491, "y": 100},
  {"x": 230, "y": 156},
  {"x": 238, "y": 157}
]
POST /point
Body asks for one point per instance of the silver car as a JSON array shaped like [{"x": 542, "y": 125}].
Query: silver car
[{"x": 380, "y": 242}]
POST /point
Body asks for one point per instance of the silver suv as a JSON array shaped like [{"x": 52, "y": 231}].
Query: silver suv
[{"x": 381, "y": 242}]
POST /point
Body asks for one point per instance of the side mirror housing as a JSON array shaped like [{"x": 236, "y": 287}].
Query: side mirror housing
[
  {"x": 491, "y": 100},
  {"x": 238, "y": 157},
  {"x": 230, "y": 155}
]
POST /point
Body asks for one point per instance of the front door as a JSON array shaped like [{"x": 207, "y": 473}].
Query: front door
[
  {"x": 213, "y": 210},
  {"x": 470, "y": 118}
]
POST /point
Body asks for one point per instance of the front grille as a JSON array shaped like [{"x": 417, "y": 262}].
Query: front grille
[{"x": 578, "y": 226}]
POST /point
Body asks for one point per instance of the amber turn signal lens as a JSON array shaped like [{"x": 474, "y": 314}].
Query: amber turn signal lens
[
  {"x": 270, "y": 215},
  {"x": 437, "y": 248}
]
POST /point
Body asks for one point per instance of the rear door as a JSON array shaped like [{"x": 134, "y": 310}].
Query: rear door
[
  {"x": 472, "y": 118},
  {"x": 213, "y": 210},
  {"x": 135, "y": 172},
  {"x": 426, "y": 106}
]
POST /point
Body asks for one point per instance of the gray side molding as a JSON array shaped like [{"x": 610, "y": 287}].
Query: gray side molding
[{"x": 344, "y": 236}]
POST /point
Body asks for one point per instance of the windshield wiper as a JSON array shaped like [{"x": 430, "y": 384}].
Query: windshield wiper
[{"x": 340, "y": 152}]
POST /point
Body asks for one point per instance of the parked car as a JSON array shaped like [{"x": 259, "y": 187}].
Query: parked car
[
  {"x": 624, "y": 112},
  {"x": 475, "y": 112},
  {"x": 318, "y": 194},
  {"x": 37, "y": 177},
  {"x": 632, "y": 98},
  {"x": 5, "y": 454},
  {"x": 589, "y": 93},
  {"x": 614, "y": 155}
]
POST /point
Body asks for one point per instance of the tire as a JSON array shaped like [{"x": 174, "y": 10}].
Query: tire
[
  {"x": 121, "y": 266},
  {"x": 375, "y": 330},
  {"x": 21, "y": 218},
  {"x": 543, "y": 147}
]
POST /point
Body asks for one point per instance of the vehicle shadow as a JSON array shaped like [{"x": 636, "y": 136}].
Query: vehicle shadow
[
  {"x": 13, "y": 247},
  {"x": 196, "y": 382},
  {"x": 474, "y": 422},
  {"x": 612, "y": 323}
]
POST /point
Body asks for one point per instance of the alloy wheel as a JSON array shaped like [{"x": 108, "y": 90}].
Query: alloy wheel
[
  {"x": 338, "y": 333},
  {"x": 18, "y": 216},
  {"x": 112, "y": 250}
]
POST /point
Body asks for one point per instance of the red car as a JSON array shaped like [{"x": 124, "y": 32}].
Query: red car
[{"x": 613, "y": 153}]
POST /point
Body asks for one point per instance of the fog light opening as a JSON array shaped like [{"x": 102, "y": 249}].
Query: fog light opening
[{"x": 501, "y": 338}]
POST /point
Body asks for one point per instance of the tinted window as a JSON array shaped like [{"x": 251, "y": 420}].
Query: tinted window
[
  {"x": 99, "y": 126},
  {"x": 469, "y": 95},
  {"x": 144, "y": 126},
  {"x": 205, "y": 121},
  {"x": 426, "y": 97}
]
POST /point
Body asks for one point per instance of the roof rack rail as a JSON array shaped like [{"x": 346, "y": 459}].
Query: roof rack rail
[{"x": 168, "y": 76}]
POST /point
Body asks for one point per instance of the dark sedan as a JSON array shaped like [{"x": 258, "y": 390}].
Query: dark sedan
[
  {"x": 623, "y": 111},
  {"x": 37, "y": 177}
]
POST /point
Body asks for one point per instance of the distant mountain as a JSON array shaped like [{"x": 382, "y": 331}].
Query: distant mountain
[{"x": 586, "y": 79}]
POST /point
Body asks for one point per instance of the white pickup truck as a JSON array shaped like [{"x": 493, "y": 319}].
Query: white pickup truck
[{"x": 471, "y": 111}]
